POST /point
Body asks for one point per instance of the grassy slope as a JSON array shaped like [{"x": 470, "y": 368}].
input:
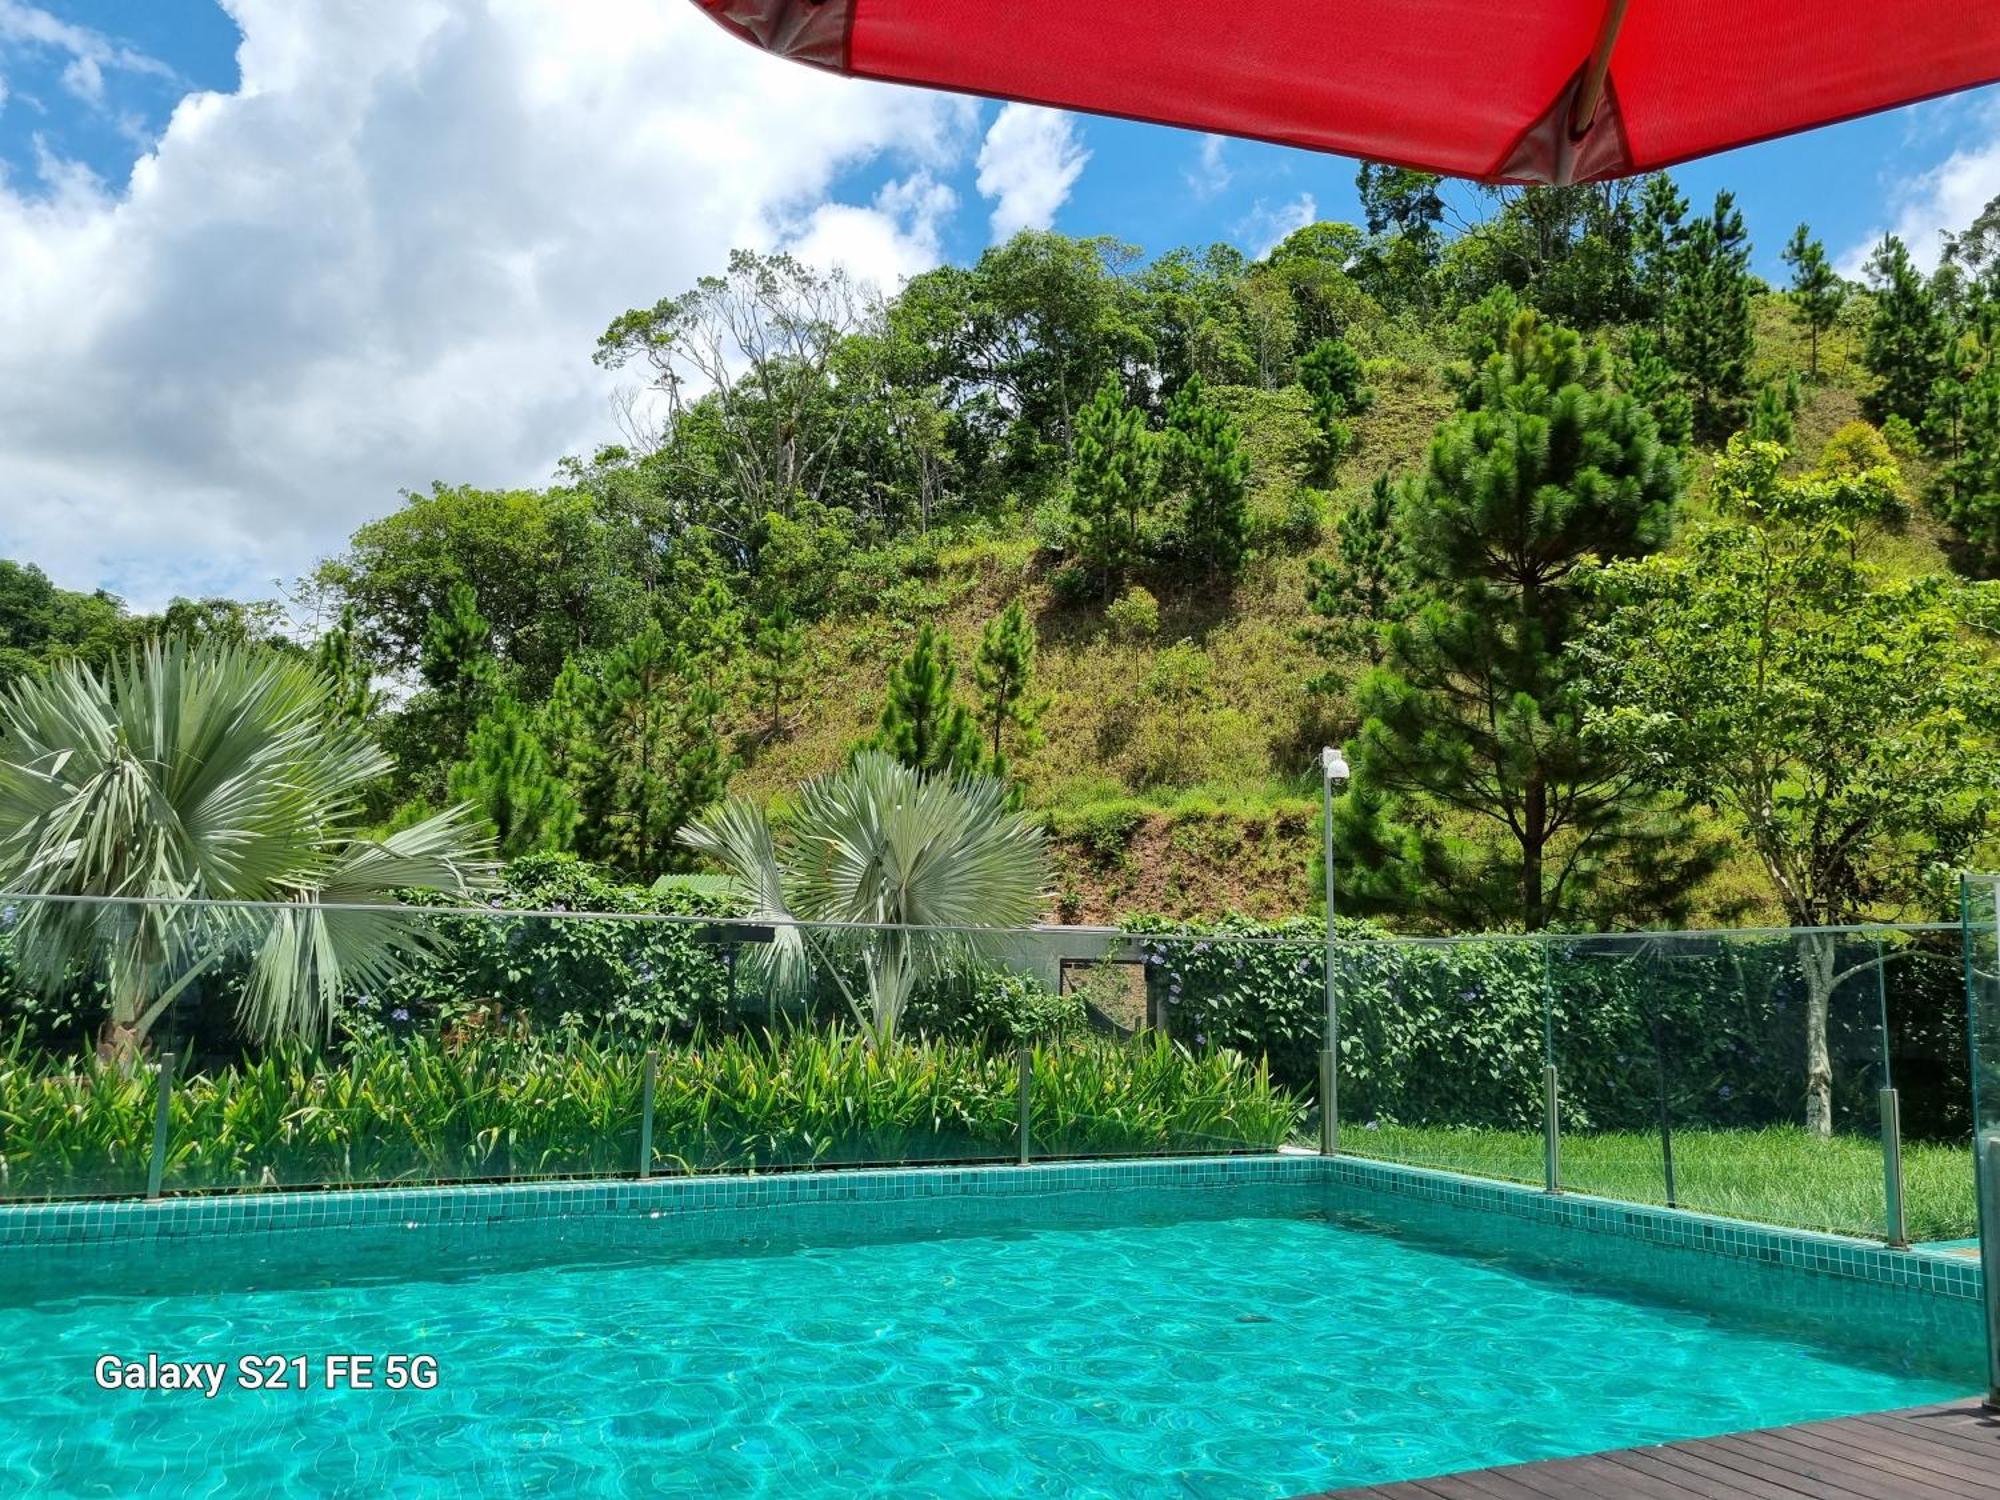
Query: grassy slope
[{"x": 1200, "y": 801}]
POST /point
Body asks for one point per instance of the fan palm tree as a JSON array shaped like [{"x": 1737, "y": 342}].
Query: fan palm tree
[
  {"x": 938, "y": 866},
  {"x": 208, "y": 772}
]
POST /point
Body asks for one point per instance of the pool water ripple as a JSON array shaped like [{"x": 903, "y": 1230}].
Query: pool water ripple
[{"x": 1222, "y": 1359}]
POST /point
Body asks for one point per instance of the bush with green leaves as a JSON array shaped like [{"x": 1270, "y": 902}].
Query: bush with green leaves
[
  {"x": 526, "y": 1104},
  {"x": 1457, "y": 1033},
  {"x": 995, "y": 1006}
]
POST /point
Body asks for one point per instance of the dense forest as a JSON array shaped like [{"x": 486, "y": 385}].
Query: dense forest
[{"x": 1638, "y": 590}]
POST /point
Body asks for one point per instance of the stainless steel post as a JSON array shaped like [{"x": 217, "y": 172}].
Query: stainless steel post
[
  {"x": 1329, "y": 1057},
  {"x": 646, "y": 1114},
  {"x": 1986, "y": 1162},
  {"x": 1551, "y": 1131},
  {"x": 1895, "y": 1224},
  {"x": 163, "y": 1099},
  {"x": 1026, "y": 1058}
]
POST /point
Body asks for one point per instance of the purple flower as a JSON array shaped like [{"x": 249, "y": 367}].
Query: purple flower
[
  {"x": 399, "y": 1014},
  {"x": 1239, "y": 964},
  {"x": 1305, "y": 966},
  {"x": 1725, "y": 1092},
  {"x": 1203, "y": 947},
  {"x": 1371, "y": 1125}
]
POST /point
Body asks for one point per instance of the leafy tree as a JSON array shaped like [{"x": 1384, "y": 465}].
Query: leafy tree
[
  {"x": 1366, "y": 585},
  {"x": 1818, "y": 293},
  {"x": 212, "y": 771},
  {"x": 1845, "y": 721},
  {"x": 40, "y": 623},
  {"x": 940, "y": 864},
  {"x": 1202, "y": 461},
  {"x": 1112, "y": 482},
  {"x": 1654, "y": 384},
  {"x": 777, "y": 662},
  {"x": 1709, "y": 335},
  {"x": 652, "y": 754},
  {"x": 1905, "y": 336},
  {"x": 923, "y": 724},
  {"x": 1402, "y": 209},
  {"x": 1474, "y": 719},
  {"x": 507, "y": 779},
  {"x": 341, "y": 661},
  {"x": 1967, "y": 488},
  {"x": 1004, "y": 672},
  {"x": 1331, "y": 374}
]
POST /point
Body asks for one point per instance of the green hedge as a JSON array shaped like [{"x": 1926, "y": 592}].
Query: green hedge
[{"x": 1458, "y": 1032}]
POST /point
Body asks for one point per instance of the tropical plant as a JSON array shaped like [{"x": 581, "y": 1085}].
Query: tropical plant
[
  {"x": 936, "y": 868},
  {"x": 190, "y": 773}
]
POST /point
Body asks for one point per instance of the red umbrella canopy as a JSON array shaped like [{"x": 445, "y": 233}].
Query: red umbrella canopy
[{"x": 1501, "y": 90}]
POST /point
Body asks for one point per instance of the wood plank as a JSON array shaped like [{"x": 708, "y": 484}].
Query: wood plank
[
  {"x": 1963, "y": 1473},
  {"x": 1865, "y": 1473},
  {"x": 1950, "y": 1451}
]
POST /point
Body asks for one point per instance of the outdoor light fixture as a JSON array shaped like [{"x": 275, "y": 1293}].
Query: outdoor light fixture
[{"x": 1332, "y": 768}]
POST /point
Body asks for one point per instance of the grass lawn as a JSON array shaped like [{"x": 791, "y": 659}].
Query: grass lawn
[{"x": 1777, "y": 1176}]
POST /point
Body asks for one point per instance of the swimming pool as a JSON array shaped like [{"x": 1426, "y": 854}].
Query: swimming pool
[{"x": 1255, "y": 1339}]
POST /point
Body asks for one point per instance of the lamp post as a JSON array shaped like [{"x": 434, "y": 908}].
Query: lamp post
[{"x": 1332, "y": 768}]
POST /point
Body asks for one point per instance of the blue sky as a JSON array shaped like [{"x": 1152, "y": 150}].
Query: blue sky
[{"x": 262, "y": 268}]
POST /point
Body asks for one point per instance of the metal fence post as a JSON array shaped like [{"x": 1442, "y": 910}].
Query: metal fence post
[
  {"x": 1329, "y": 1102},
  {"x": 156, "y": 1173},
  {"x": 1897, "y": 1225},
  {"x": 646, "y": 1114},
  {"x": 1551, "y": 1131},
  {"x": 1025, "y": 1058}
]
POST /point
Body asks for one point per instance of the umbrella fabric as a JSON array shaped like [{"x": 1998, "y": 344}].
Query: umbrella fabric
[{"x": 1502, "y": 90}]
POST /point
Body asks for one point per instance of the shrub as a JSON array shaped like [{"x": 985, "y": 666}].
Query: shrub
[
  {"x": 997, "y": 1007},
  {"x": 569, "y": 1104},
  {"x": 1134, "y": 615}
]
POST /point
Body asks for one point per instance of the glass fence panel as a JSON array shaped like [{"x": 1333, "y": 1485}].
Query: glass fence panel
[
  {"x": 1609, "y": 997},
  {"x": 1776, "y": 1064},
  {"x": 1443, "y": 1052},
  {"x": 1923, "y": 985}
]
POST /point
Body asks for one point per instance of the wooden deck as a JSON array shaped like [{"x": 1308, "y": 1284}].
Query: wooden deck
[{"x": 1947, "y": 1452}]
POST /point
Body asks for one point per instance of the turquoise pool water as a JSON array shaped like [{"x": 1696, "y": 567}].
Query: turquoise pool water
[{"x": 1255, "y": 1356}]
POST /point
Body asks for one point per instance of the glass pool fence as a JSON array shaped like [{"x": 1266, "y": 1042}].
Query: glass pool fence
[{"x": 1814, "y": 1078}]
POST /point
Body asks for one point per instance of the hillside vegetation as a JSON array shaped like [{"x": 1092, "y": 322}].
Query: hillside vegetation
[{"x": 1138, "y": 534}]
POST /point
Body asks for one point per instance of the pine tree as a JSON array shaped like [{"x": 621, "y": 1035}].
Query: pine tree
[
  {"x": 1004, "y": 672},
  {"x": 1967, "y": 488},
  {"x": 1331, "y": 374},
  {"x": 507, "y": 777},
  {"x": 923, "y": 725},
  {"x": 340, "y": 661},
  {"x": 1364, "y": 588},
  {"x": 1656, "y": 240},
  {"x": 1203, "y": 463},
  {"x": 459, "y": 671},
  {"x": 1473, "y": 721},
  {"x": 1111, "y": 482},
  {"x": 1817, "y": 291},
  {"x": 1771, "y": 418},
  {"x": 1905, "y": 337},
  {"x": 777, "y": 662},
  {"x": 1709, "y": 334},
  {"x": 652, "y": 755},
  {"x": 1654, "y": 384}
]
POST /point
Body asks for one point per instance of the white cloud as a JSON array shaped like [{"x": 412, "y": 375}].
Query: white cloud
[
  {"x": 1028, "y": 163},
  {"x": 1210, "y": 173},
  {"x": 1943, "y": 200},
  {"x": 90, "y": 52},
  {"x": 1265, "y": 227},
  {"x": 386, "y": 258}
]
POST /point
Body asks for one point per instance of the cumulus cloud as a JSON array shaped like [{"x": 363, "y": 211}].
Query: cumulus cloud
[
  {"x": 1265, "y": 227},
  {"x": 385, "y": 258},
  {"x": 1941, "y": 201},
  {"x": 1028, "y": 163}
]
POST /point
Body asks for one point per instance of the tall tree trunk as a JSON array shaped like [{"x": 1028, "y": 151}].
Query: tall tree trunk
[
  {"x": 1534, "y": 820},
  {"x": 1817, "y": 954}
]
